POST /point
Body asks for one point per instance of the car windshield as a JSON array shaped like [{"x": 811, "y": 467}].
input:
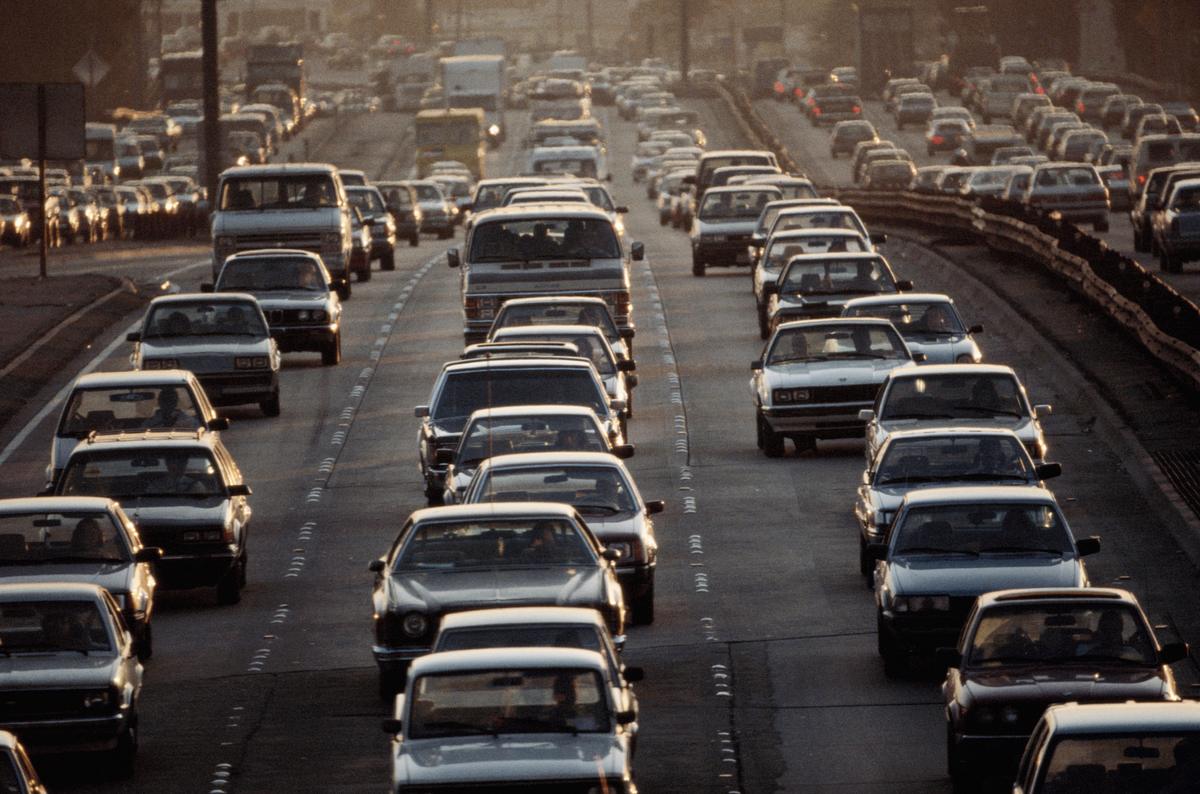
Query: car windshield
[
  {"x": 735, "y": 204},
  {"x": 493, "y": 543},
  {"x": 558, "y": 314},
  {"x": 954, "y": 396},
  {"x": 948, "y": 459},
  {"x": 781, "y": 251},
  {"x": 495, "y": 702},
  {"x": 52, "y": 627},
  {"x": 831, "y": 342},
  {"x": 591, "y": 346},
  {"x": 868, "y": 276},
  {"x": 981, "y": 528},
  {"x": 397, "y": 197},
  {"x": 544, "y": 238},
  {"x": 127, "y": 409},
  {"x": 298, "y": 192},
  {"x": 429, "y": 193},
  {"x": 367, "y": 201},
  {"x": 136, "y": 473},
  {"x": 463, "y": 393},
  {"x": 592, "y": 490},
  {"x": 209, "y": 318},
  {"x": 825, "y": 219},
  {"x": 1158, "y": 762},
  {"x": 487, "y": 436},
  {"x": 69, "y": 536},
  {"x": 1066, "y": 177},
  {"x": 915, "y": 320},
  {"x": 272, "y": 273},
  {"x": 1061, "y": 633}
]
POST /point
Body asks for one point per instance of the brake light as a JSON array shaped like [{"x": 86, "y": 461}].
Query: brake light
[
  {"x": 1040, "y": 90},
  {"x": 937, "y": 139},
  {"x": 778, "y": 87},
  {"x": 1079, "y": 106},
  {"x": 1141, "y": 179},
  {"x": 471, "y": 308},
  {"x": 856, "y": 109},
  {"x": 798, "y": 91},
  {"x": 816, "y": 110}
]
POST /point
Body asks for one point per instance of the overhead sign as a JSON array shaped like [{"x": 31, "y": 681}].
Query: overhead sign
[
  {"x": 91, "y": 69},
  {"x": 63, "y": 116}
]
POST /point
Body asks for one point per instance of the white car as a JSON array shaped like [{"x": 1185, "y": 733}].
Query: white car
[
  {"x": 779, "y": 250},
  {"x": 929, "y": 322}
]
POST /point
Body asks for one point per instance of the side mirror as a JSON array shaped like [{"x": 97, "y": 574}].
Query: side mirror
[
  {"x": 1043, "y": 410},
  {"x": 1048, "y": 471},
  {"x": 950, "y": 657},
  {"x": 148, "y": 554},
  {"x": 421, "y": 411},
  {"x": 756, "y": 364},
  {"x": 1169, "y": 653},
  {"x": 877, "y": 551},
  {"x": 240, "y": 489},
  {"x": 627, "y": 334},
  {"x": 626, "y": 717},
  {"x": 655, "y": 506},
  {"x": 904, "y": 285},
  {"x": 392, "y": 726},
  {"x": 920, "y": 357},
  {"x": 866, "y": 415},
  {"x": 637, "y": 252},
  {"x": 218, "y": 423},
  {"x": 452, "y": 257},
  {"x": 975, "y": 329},
  {"x": 770, "y": 288},
  {"x": 625, "y": 365},
  {"x": 623, "y": 451},
  {"x": 376, "y": 566},
  {"x": 617, "y": 405},
  {"x": 1088, "y": 546},
  {"x": 206, "y": 286},
  {"x": 612, "y": 555},
  {"x": 633, "y": 674},
  {"x": 443, "y": 456},
  {"x": 621, "y": 210},
  {"x": 133, "y": 336},
  {"x": 878, "y": 238}
]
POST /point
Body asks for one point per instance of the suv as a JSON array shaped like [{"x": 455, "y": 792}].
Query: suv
[
  {"x": 287, "y": 205},
  {"x": 186, "y": 494}
]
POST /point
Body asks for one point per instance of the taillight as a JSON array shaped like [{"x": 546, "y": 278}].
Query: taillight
[
  {"x": 1141, "y": 179},
  {"x": 816, "y": 110},
  {"x": 856, "y": 109},
  {"x": 798, "y": 91},
  {"x": 1079, "y": 107},
  {"x": 471, "y": 307},
  {"x": 937, "y": 139},
  {"x": 1040, "y": 90},
  {"x": 778, "y": 87}
]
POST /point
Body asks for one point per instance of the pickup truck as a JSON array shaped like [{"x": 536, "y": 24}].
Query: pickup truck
[
  {"x": 1177, "y": 226},
  {"x": 531, "y": 250}
]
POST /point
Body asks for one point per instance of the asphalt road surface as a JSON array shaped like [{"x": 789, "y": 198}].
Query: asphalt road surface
[{"x": 761, "y": 667}]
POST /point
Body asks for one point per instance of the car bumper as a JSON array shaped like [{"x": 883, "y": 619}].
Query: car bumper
[
  {"x": 724, "y": 252},
  {"x": 635, "y": 580},
  {"x": 70, "y": 734},
  {"x": 381, "y": 246},
  {"x": 238, "y": 388},
  {"x": 822, "y": 421},
  {"x": 392, "y": 659},
  {"x": 437, "y": 224},
  {"x": 296, "y": 338},
  {"x": 407, "y": 229},
  {"x": 183, "y": 571},
  {"x": 922, "y": 632},
  {"x": 1074, "y": 212}
]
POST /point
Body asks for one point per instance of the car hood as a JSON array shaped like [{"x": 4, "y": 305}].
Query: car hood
[
  {"x": 831, "y": 373},
  {"x": 256, "y": 222},
  {"x": 1083, "y": 682},
  {"x": 449, "y": 591},
  {"x": 732, "y": 226},
  {"x": 1023, "y": 427},
  {"x": 112, "y": 576},
  {"x": 175, "y": 511},
  {"x": 622, "y": 525},
  {"x": 510, "y": 757},
  {"x": 962, "y": 576},
  {"x": 291, "y": 299},
  {"x": 58, "y": 670},
  {"x": 193, "y": 347}
]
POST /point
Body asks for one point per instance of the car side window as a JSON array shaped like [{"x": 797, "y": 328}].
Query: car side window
[{"x": 115, "y": 618}]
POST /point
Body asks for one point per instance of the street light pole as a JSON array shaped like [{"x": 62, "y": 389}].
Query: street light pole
[
  {"x": 212, "y": 98},
  {"x": 685, "y": 55}
]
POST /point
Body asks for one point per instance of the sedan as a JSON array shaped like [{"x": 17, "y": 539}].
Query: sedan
[
  {"x": 929, "y": 322},
  {"x": 819, "y": 285}
]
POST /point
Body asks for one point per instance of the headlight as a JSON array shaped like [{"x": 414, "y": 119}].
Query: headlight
[
  {"x": 331, "y": 241},
  {"x": 160, "y": 363},
  {"x": 494, "y": 130},
  {"x": 319, "y": 315},
  {"x": 927, "y": 603},
  {"x": 965, "y": 358},
  {"x": 250, "y": 362},
  {"x": 303, "y": 314},
  {"x": 785, "y": 396},
  {"x": 415, "y": 624},
  {"x": 628, "y": 549},
  {"x": 97, "y": 699},
  {"x": 226, "y": 242}
]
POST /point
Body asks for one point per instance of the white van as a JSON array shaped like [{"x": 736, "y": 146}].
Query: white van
[{"x": 582, "y": 161}]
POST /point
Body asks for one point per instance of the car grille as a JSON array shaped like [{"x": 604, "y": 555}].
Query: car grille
[
  {"x": 170, "y": 538},
  {"x": 40, "y": 705},
  {"x": 558, "y": 787},
  {"x": 220, "y": 381},
  {"x": 290, "y": 317},
  {"x": 307, "y": 241},
  {"x": 853, "y": 393}
]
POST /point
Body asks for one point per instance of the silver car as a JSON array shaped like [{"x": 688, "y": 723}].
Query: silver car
[
  {"x": 724, "y": 223},
  {"x": 812, "y": 286},
  {"x": 601, "y": 489},
  {"x": 17, "y": 775},
  {"x": 563, "y": 729},
  {"x": 224, "y": 339},
  {"x": 929, "y": 322},
  {"x": 567, "y": 310},
  {"x": 72, "y": 678}
]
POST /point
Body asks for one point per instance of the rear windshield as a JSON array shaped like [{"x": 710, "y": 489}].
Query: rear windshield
[
  {"x": 952, "y": 396},
  {"x": 735, "y": 204},
  {"x": 466, "y": 392},
  {"x": 544, "y": 238},
  {"x": 130, "y": 410},
  {"x": 299, "y": 192}
]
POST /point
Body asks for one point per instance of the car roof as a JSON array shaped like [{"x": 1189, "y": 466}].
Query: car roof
[
  {"x": 531, "y": 362},
  {"x": 848, "y": 256},
  {"x": 965, "y": 369},
  {"x": 555, "y": 458},
  {"x": 494, "y": 510},
  {"x": 205, "y": 297},
  {"x": 50, "y": 591},
  {"x": 554, "y": 299},
  {"x": 789, "y": 234},
  {"x": 291, "y": 169},
  {"x": 737, "y": 153},
  {"x": 262, "y": 253},
  {"x": 950, "y": 432},
  {"x": 135, "y": 377},
  {"x": 549, "y": 330},
  {"x": 817, "y": 323},
  {"x": 902, "y": 297},
  {"x": 1129, "y": 717},
  {"x": 505, "y": 659},
  {"x": 534, "y": 409},
  {"x": 712, "y": 191},
  {"x": 811, "y": 208},
  {"x": 521, "y": 616},
  {"x": 540, "y": 211},
  {"x": 55, "y": 504},
  {"x": 1057, "y": 595},
  {"x": 979, "y": 493},
  {"x": 147, "y": 439}
]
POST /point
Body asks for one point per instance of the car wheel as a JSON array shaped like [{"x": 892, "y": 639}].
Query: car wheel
[
  {"x": 125, "y": 753},
  {"x": 388, "y": 260},
  {"x": 698, "y": 267},
  {"x": 414, "y": 240},
  {"x": 331, "y": 353},
  {"x": 1100, "y": 225},
  {"x": 1164, "y": 262},
  {"x": 434, "y": 494},
  {"x": 663, "y": 219},
  {"x": 804, "y": 443},
  {"x": 1139, "y": 241},
  {"x": 772, "y": 442},
  {"x": 270, "y": 406},
  {"x": 145, "y": 643},
  {"x": 764, "y": 329},
  {"x": 866, "y": 565},
  {"x": 643, "y": 608},
  {"x": 365, "y": 273},
  {"x": 390, "y": 682},
  {"x": 229, "y": 589},
  {"x": 893, "y": 656},
  {"x": 959, "y": 778},
  {"x": 344, "y": 289}
]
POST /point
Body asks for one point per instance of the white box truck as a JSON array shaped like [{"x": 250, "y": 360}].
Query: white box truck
[{"x": 477, "y": 81}]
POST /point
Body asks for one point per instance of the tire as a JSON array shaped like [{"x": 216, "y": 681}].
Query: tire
[
  {"x": 414, "y": 240},
  {"x": 270, "y": 406},
  {"x": 123, "y": 757},
  {"x": 1139, "y": 241},
  {"x": 433, "y": 495},
  {"x": 1100, "y": 225},
  {"x": 893, "y": 656},
  {"x": 663, "y": 220},
  {"x": 229, "y": 589},
  {"x": 804, "y": 443},
  {"x": 643, "y": 608},
  {"x": 865, "y": 563},
  {"x": 764, "y": 328},
  {"x": 772, "y": 442},
  {"x": 331, "y": 353},
  {"x": 698, "y": 268},
  {"x": 390, "y": 683},
  {"x": 388, "y": 260},
  {"x": 344, "y": 290},
  {"x": 960, "y": 780},
  {"x": 364, "y": 275},
  {"x": 145, "y": 643},
  {"x": 1164, "y": 262}
]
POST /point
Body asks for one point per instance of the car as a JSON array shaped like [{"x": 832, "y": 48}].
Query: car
[
  {"x": 370, "y": 204},
  {"x": 914, "y": 108},
  {"x": 401, "y": 201},
  {"x": 888, "y": 175},
  {"x": 848, "y": 134},
  {"x": 771, "y": 210},
  {"x": 72, "y": 679},
  {"x": 438, "y": 214},
  {"x": 929, "y": 322},
  {"x": 1091, "y": 100},
  {"x": 978, "y": 146},
  {"x": 947, "y": 546},
  {"x": 522, "y": 429},
  {"x": 224, "y": 339},
  {"x": 815, "y": 376},
  {"x": 934, "y": 458},
  {"x": 874, "y": 156},
  {"x": 956, "y": 395},
  {"x": 1134, "y": 114},
  {"x": 568, "y": 310},
  {"x": 187, "y": 496},
  {"x": 945, "y": 135},
  {"x": 819, "y": 93},
  {"x": 926, "y": 178},
  {"x": 1116, "y": 180},
  {"x": 1157, "y": 124},
  {"x": 132, "y": 402},
  {"x": 669, "y": 188},
  {"x": 1144, "y": 746},
  {"x": 82, "y": 539},
  {"x": 942, "y": 112},
  {"x": 834, "y": 108},
  {"x": 1184, "y": 113},
  {"x": 1023, "y": 650},
  {"x": 862, "y": 148},
  {"x": 1006, "y": 154},
  {"x": 1024, "y": 104},
  {"x": 821, "y": 215},
  {"x": 601, "y": 489},
  {"x": 1175, "y": 229},
  {"x": 563, "y": 728},
  {"x": 463, "y": 387},
  {"x": 295, "y": 293},
  {"x": 16, "y": 228},
  {"x": 17, "y": 774},
  {"x": 1075, "y": 191},
  {"x": 590, "y": 342},
  {"x": 1112, "y": 112},
  {"x": 990, "y": 180},
  {"x": 723, "y": 225},
  {"x": 460, "y": 557},
  {"x": 818, "y": 285}
]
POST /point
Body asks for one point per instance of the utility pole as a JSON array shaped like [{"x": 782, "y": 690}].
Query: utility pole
[
  {"x": 429, "y": 21},
  {"x": 559, "y": 19},
  {"x": 591, "y": 35},
  {"x": 685, "y": 55},
  {"x": 212, "y": 98}
]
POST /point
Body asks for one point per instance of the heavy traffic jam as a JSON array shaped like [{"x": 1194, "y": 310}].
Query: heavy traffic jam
[{"x": 505, "y": 618}]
